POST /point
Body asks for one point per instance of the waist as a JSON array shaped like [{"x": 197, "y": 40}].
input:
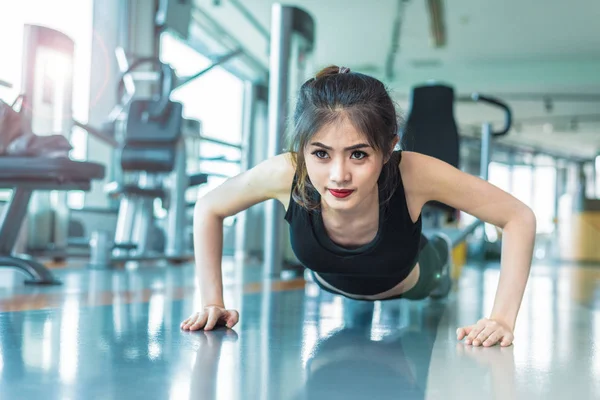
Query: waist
[{"x": 361, "y": 286}]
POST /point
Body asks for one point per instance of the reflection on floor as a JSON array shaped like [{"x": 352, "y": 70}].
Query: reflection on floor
[{"x": 112, "y": 335}]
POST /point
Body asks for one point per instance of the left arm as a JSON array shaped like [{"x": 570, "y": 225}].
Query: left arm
[{"x": 439, "y": 181}]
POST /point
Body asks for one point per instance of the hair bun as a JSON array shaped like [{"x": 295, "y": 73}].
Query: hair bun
[{"x": 331, "y": 71}]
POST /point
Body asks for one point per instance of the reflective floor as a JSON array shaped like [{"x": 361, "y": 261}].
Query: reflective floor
[{"x": 115, "y": 335}]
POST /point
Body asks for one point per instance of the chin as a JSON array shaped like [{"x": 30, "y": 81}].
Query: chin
[{"x": 340, "y": 204}]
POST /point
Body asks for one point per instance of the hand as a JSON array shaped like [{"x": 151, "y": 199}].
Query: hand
[
  {"x": 210, "y": 317},
  {"x": 487, "y": 332}
]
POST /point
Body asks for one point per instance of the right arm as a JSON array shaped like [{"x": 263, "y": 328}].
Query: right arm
[{"x": 271, "y": 179}]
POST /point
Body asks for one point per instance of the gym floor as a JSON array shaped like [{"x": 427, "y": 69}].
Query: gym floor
[{"x": 115, "y": 335}]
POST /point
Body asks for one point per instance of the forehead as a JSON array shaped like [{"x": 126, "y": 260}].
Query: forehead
[{"x": 339, "y": 132}]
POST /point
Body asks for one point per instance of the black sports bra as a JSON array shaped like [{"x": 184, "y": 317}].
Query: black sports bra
[{"x": 369, "y": 269}]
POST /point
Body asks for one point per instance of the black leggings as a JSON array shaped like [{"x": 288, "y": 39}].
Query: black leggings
[{"x": 432, "y": 258}]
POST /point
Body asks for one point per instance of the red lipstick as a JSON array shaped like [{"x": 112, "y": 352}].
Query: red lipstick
[{"x": 340, "y": 194}]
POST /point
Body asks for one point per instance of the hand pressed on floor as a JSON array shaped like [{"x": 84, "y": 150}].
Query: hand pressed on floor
[
  {"x": 486, "y": 332},
  {"x": 211, "y": 317}
]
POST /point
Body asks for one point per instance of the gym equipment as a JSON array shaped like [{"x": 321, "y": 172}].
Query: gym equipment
[
  {"x": 28, "y": 174},
  {"x": 431, "y": 129},
  {"x": 175, "y": 16},
  {"x": 169, "y": 186},
  {"x": 148, "y": 154},
  {"x": 153, "y": 159},
  {"x": 292, "y": 44},
  {"x": 34, "y": 154},
  {"x": 46, "y": 102},
  {"x": 149, "y": 150}
]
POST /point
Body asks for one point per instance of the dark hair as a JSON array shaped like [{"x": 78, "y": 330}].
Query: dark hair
[{"x": 337, "y": 93}]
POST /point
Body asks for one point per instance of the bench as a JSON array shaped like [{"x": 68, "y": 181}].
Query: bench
[{"x": 24, "y": 175}]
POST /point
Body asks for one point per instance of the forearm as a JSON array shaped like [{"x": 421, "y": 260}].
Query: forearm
[
  {"x": 518, "y": 240},
  {"x": 208, "y": 249}
]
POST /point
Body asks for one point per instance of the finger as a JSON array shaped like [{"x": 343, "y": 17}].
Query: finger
[
  {"x": 485, "y": 333},
  {"x": 462, "y": 332},
  {"x": 199, "y": 322},
  {"x": 507, "y": 340},
  {"x": 475, "y": 331},
  {"x": 232, "y": 318},
  {"x": 492, "y": 339},
  {"x": 213, "y": 318},
  {"x": 191, "y": 321},
  {"x": 188, "y": 320},
  {"x": 184, "y": 323}
]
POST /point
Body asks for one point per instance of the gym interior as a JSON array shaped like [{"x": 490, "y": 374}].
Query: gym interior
[{"x": 117, "y": 115}]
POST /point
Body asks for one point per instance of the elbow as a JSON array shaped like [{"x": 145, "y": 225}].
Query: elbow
[
  {"x": 204, "y": 211},
  {"x": 530, "y": 219},
  {"x": 200, "y": 208},
  {"x": 524, "y": 219}
]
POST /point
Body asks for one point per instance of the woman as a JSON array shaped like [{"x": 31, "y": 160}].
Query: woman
[{"x": 354, "y": 209}]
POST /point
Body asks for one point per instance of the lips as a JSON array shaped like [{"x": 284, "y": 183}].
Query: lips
[{"x": 340, "y": 194}]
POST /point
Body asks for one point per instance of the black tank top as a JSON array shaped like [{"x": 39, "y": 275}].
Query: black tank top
[{"x": 369, "y": 269}]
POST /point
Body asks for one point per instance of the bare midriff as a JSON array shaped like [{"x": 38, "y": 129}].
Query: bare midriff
[{"x": 408, "y": 283}]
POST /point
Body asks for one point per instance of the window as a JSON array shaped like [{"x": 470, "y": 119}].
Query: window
[
  {"x": 499, "y": 175},
  {"x": 216, "y": 100},
  {"x": 522, "y": 180},
  {"x": 544, "y": 198},
  {"x": 535, "y": 187},
  {"x": 77, "y": 24}
]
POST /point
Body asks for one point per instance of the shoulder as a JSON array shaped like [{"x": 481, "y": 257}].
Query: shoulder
[
  {"x": 422, "y": 174},
  {"x": 415, "y": 166},
  {"x": 278, "y": 172},
  {"x": 282, "y": 164},
  {"x": 408, "y": 162}
]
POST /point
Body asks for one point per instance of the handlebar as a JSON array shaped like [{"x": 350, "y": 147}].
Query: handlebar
[
  {"x": 167, "y": 84},
  {"x": 497, "y": 103}
]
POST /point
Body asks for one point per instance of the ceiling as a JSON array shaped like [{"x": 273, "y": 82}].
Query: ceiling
[{"x": 540, "y": 56}]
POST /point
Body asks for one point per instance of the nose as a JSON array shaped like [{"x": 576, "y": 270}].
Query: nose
[{"x": 339, "y": 172}]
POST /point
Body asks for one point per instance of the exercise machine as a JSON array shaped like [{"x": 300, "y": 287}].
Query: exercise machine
[
  {"x": 431, "y": 129},
  {"x": 26, "y": 175},
  {"x": 35, "y": 164},
  {"x": 152, "y": 158},
  {"x": 152, "y": 155}
]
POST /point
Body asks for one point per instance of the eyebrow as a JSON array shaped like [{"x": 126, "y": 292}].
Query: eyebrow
[{"x": 354, "y": 147}]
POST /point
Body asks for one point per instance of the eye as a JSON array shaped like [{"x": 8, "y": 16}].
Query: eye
[
  {"x": 320, "y": 153},
  {"x": 359, "y": 155}
]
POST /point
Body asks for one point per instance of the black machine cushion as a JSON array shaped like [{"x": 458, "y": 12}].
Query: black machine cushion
[
  {"x": 162, "y": 129},
  {"x": 431, "y": 128},
  {"x": 150, "y": 144},
  {"x": 15, "y": 171},
  {"x": 148, "y": 158},
  {"x": 198, "y": 179},
  {"x": 116, "y": 189}
]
